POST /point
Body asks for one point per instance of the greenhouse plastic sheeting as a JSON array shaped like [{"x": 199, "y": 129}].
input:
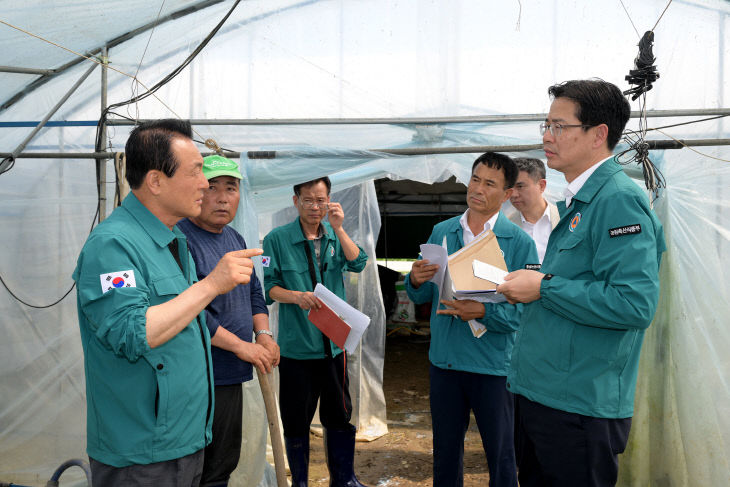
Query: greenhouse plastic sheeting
[{"x": 329, "y": 59}]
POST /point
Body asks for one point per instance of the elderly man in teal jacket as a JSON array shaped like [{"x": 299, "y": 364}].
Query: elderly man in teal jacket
[
  {"x": 576, "y": 358},
  {"x": 146, "y": 347},
  {"x": 468, "y": 369}
]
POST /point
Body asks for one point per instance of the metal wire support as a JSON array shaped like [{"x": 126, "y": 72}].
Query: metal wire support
[{"x": 8, "y": 161}]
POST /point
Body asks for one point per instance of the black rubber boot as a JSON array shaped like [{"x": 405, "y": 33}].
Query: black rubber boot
[
  {"x": 339, "y": 448},
  {"x": 297, "y": 451}
]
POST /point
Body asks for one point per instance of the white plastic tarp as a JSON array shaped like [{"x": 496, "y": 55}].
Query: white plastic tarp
[{"x": 332, "y": 58}]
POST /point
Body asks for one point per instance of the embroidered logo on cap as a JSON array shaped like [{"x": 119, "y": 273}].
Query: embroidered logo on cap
[
  {"x": 115, "y": 280},
  {"x": 574, "y": 222}
]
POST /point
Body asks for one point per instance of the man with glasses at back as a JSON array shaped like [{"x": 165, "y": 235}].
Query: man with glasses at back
[
  {"x": 576, "y": 357},
  {"x": 297, "y": 256}
]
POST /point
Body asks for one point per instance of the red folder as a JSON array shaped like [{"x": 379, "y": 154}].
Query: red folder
[{"x": 329, "y": 323}]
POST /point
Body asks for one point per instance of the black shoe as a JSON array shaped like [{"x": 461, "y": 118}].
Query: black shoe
[
  {"x": 339, "y": 447},
  {"x": 297, "y": 451}
]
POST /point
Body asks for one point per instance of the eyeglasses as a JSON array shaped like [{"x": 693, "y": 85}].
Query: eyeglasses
[
  {"x": 556, "y": 129},
  {"x": 309, "y": 204}
]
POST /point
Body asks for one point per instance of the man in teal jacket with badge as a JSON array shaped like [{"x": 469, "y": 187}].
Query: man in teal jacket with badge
[
  {"x": 149, "y": 387},
  {"x": 471, "y": 341},
  {"x": 576, "y": 357},
  {"x": 297, "y": 256}
]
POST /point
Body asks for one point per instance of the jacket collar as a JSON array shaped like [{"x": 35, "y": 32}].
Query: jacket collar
[
  {"x": 597, "y": 180},
  {"x": 592, "y": 185},
  {"x": 157, "y": 230},
  {"x": 501, "y": 226},
  {"x": 296, "y": 235}
]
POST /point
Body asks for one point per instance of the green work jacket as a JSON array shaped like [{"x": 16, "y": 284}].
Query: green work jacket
[
  {"x": 144, "y": 405},
  {"x": 578, "y": 346},
  {"x": 285, "y": 265},
  {"x": 453, "y": 345}
]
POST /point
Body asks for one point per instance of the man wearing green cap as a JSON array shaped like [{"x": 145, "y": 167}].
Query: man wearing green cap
[{"x": 232, "y": 318}]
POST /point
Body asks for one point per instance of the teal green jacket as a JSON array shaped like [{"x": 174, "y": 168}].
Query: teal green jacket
[
  {"x": 144, "y": 405},
  {"x": 453, "y": 346},
  {"x": 286, "y": 266},
  {"x": 578, "y": 346}
]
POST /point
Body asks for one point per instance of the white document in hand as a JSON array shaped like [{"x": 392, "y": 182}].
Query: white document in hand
[
  {"x": 488, "y": 272},
  {"x": 437, "y": 254},
  {"x": 357, "y": 320}
]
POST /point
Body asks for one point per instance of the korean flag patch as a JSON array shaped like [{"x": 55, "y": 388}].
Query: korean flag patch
[
  {"x": 115, "y": 280},
  {"x": 265, "y": 260}
]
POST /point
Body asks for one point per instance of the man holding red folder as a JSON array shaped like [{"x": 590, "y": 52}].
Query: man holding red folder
[
  {"x": 297, "y": 256},
  {"x": 468, "y": 370}
]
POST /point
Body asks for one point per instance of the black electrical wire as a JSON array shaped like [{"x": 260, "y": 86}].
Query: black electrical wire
[
  {"x": 8, "y": 163},
  {"x": 164, "y": 80},
  {"x": 687, "y": 123},
  {"x": 93, "y": 221},
  {"x": 638, "y": 152},
  {"x": 653, "y": 178}
]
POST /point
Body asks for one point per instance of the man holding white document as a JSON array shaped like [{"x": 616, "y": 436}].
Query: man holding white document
[
  {"x": 471, "y": 341},
  {"x": 298, "y": 256}
]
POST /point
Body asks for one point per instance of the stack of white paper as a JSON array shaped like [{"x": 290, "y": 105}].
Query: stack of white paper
[{"x": 437, "y": 254}]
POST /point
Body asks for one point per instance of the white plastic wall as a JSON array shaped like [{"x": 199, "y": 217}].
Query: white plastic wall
[{"x": 332, "y": 58}]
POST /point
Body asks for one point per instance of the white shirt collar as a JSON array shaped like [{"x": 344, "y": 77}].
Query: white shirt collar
[
  {"x": 539, "y": 231},
  {"x": 468, "y": 235},
  {"x": 575, "y": 185},
  {"x": 545, "y": 214}
]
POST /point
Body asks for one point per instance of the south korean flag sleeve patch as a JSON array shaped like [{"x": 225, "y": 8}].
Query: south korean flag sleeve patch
[
  {"x": 626, "y": 230},
  {"x": 265, "y": 260},
  {"x": 115, "y": 280}
]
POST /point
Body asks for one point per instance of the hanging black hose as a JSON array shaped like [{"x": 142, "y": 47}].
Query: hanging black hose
[
  {"x": 641, "y": 78},
  {"x": 644, "y": 73}
]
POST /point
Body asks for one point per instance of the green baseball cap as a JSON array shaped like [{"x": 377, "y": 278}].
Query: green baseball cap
[{"x": 215, "y": 165}]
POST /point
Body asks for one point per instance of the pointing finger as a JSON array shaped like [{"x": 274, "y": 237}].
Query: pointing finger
[{"x": 247, "y": 253}]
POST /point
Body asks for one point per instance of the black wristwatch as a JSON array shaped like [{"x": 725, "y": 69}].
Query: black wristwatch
[{"x": 547, "y": 277}]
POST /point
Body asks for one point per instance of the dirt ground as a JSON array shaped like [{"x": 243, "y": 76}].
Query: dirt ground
[{"x": 404, "y": 457}]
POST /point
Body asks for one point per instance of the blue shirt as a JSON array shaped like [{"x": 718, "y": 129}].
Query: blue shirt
[{"x": 234, "y": 310}]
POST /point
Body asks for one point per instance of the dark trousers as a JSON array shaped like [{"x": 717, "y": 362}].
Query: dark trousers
[
  {"x": 180, "y": 472},
  {"x": 561, "y": 449},
  {"x": 302, "y": 383},
  {"x": 453, "y": 394},
  {"x": 222, "y": 454}
]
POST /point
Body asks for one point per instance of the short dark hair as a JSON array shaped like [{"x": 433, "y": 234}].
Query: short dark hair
[
  {"x": 499, "y": 162},
  {"x": 534, "y": 168},
  {"x": 598, "y": 102},
  {"x": 325, "y": 180},
  {"x": 148, "y": 148}
]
